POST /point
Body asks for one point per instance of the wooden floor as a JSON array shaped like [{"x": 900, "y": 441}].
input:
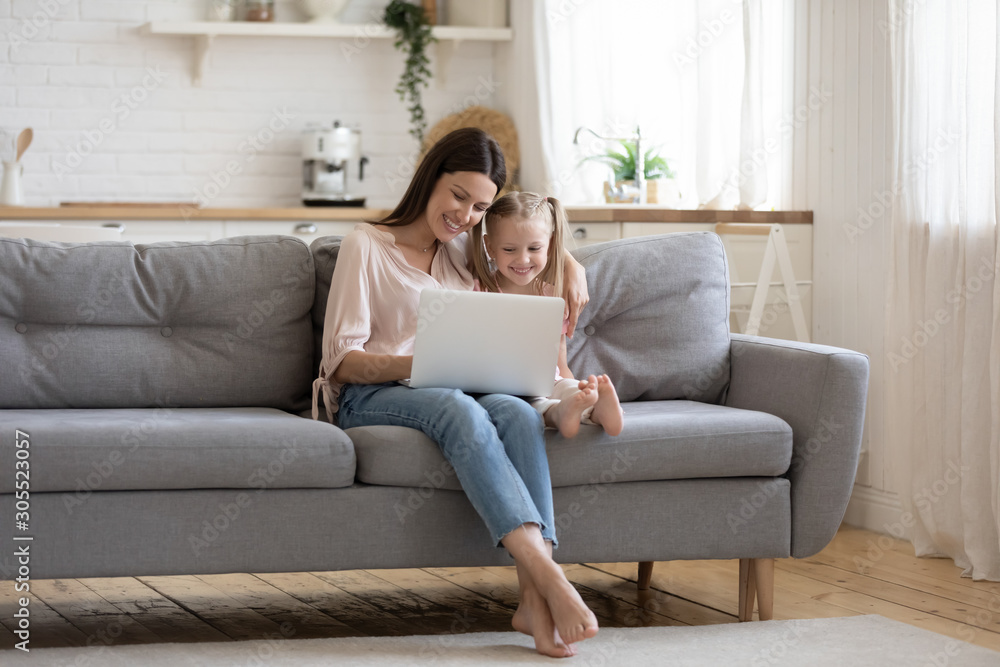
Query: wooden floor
[{"x": 858, "y": 573}]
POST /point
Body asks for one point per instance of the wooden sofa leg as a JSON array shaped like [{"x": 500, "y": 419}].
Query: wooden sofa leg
[
  {"x": 763, "y": 575},
  {"x": 645, "y": 574},
  {"x": 747, "y": 589}
]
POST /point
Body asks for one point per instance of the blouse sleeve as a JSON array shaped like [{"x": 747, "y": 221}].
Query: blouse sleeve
[{"x": 347, "y": 326}]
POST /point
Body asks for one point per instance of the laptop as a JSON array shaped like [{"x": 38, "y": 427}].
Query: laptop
[{"x": 481, "y": 342}]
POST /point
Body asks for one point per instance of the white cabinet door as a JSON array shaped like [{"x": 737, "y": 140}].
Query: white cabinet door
[
  {"x": 306, "y": 230},
  {"x": 154, "y": 231},
  {"x": 588, "y": 233}
]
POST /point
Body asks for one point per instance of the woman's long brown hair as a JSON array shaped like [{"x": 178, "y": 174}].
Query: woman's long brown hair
[{"x": 467, "y": 149}]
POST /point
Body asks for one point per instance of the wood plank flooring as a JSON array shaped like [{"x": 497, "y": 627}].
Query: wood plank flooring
[{"x": 860, "y": 572}]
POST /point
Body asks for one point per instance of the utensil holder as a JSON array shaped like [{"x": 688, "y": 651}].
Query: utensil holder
[{"x": 11, "y": 192}]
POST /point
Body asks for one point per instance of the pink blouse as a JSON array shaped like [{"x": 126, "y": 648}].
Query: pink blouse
[{"x": 374, "y": 296}]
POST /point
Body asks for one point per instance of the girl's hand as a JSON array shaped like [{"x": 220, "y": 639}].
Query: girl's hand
[{"x": 574, "y": 292}]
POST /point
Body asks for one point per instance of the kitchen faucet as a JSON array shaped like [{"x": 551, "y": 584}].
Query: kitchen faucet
[{"x": 640, "y": 159}]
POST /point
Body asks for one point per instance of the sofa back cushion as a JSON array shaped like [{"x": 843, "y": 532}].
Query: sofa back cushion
[
  {"x": 658, "y": 318},
  {"x": 112, "y": 324}
]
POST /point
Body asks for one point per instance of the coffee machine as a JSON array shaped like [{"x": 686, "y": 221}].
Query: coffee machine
[{"x": 327, "y": 159}]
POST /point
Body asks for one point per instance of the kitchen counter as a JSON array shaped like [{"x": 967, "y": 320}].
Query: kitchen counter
[{"x": 609, "y": 213}]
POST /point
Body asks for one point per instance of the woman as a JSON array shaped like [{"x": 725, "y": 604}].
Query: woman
[{"x": 494, "y": 442}]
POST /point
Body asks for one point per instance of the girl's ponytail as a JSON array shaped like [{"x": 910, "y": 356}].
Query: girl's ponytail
[
  {"x": 482, "y": 270},
  {"x": 554, "y": 269}
]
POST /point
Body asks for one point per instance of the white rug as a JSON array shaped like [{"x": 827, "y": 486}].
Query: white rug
[{"x": 856, "y": 641}]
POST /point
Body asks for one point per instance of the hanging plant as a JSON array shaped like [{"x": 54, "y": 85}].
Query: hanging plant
[{"x": 413, "y": 35}]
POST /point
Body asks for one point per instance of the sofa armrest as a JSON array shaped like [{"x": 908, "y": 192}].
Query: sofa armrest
[{"x": 821, "y": 392}]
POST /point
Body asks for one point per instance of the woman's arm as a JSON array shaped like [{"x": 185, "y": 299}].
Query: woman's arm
[
  {"x": 347, "y": 326},
  {"x": 359, "y": 367},
  {"x": 564, "y": 370},
  {"x": 574, "y": 290}
]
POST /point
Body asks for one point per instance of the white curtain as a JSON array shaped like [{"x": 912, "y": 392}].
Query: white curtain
[
  {"x": 690, "y": 73},
  {"x": 943, "y": 323},
  {"x": 524, "y": 91}
]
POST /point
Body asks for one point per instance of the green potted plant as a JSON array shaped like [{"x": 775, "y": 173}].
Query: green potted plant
[
  {"x": 622, "y": 162},
  {"x": 413, "y": 35}
]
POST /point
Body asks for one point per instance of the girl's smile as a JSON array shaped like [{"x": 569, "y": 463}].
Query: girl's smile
[{"x": 520, "y": 249}]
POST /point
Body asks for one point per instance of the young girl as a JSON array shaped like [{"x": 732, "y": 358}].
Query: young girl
[{"x": 518, "y": 250}]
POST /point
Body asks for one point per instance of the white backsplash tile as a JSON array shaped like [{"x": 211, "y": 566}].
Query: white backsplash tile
[{"x": 106, "y": 130}]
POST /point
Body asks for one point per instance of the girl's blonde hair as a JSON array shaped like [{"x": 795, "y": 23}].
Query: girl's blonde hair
[{"x": 522, "y": 206}]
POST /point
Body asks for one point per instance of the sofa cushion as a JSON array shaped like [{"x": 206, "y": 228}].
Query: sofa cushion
[
  {"x": 658, "y": 318},
  {"x": 662, "y": 440},
  {"x": 116, "y": 325},
  {"x": 82, "y": 451}
]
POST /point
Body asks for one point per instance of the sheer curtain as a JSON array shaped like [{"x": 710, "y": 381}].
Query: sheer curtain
[
  {"x": 943, "y": 347},
  {"x": 693, "y": 74}
]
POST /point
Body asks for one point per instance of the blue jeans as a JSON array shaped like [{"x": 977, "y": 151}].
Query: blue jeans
[{"x": 494, "y": 442}]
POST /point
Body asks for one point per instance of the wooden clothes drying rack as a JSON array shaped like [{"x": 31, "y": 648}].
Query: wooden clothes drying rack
[{"x": 775, "y": 251}]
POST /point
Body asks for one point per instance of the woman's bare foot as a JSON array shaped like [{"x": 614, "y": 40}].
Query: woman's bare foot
[
  {"x": 533, "y": 618},
  {"x": 541, "y": 577},
  {"x": 566, "y": 415},
  {"x": 608, "y": 410},
  {"x": 573, "y": 619}
]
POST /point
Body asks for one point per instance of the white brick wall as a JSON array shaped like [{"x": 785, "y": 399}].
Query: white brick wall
[{"x": 78, "y": 72}]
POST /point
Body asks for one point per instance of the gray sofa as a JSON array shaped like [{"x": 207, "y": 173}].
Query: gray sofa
[{"x": 161, "y": 393}]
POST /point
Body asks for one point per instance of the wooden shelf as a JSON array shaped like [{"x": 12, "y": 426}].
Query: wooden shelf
[
  {"x": 264, "y": 29},
  {"x": 205, "y": 32}
]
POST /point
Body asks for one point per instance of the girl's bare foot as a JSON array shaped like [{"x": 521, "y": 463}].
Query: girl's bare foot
[
  {"x": 566, "y": 415},
  {"x": 608, "y": 410}
]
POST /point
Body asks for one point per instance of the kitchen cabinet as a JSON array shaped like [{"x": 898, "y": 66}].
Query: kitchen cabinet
[
  {"x": 307, "y": 230},
  {"x": 149, "y": 224},
  {"x": 154, "y": 231},
  {"x": 588, "y": 233},
  {"x": 147, "y": 231}
]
